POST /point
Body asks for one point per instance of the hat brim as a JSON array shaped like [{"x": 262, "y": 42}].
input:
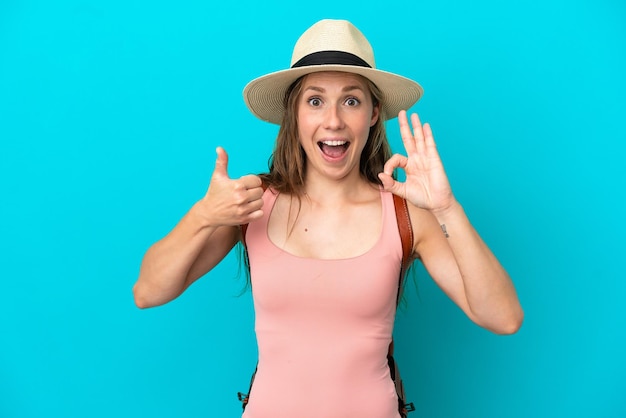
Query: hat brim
[{"x": 265, "y": 95}]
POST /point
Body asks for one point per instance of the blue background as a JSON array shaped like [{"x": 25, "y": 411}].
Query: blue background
[{"x": 110, "y": 113}]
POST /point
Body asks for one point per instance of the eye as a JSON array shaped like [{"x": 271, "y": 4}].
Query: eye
[
  {"x": 314, "y": 101},
  {"x": 352, "y": 101}
]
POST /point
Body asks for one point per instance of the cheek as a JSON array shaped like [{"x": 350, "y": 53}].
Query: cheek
[
  {"x": 300, "y": 118},
  {"x": 366, "y": 127},
  {"x": 304, "y": 131}
]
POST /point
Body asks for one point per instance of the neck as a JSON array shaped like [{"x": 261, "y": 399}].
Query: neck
[{"x": 325, "y": 190}]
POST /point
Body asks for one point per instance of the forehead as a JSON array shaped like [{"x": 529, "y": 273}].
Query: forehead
[{"x": 333, "y": 78}]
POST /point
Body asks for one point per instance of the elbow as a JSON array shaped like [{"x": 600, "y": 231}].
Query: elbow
[
  {"x": 147, "y": 295},
  {"x": 512, "y": 324},
  {"x": 141, "y": 301},
  {"x": 501, "y": 323}
]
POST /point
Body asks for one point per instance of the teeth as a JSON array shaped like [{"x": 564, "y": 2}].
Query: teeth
[{"x": 334, "y": 143}]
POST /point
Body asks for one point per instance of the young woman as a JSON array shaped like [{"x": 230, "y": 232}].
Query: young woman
[{"x": 322, "y": 239}]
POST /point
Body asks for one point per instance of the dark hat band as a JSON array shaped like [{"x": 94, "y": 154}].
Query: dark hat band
[{"x": 330, "y": 58}]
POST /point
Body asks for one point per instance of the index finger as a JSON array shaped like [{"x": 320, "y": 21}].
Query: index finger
[
  {"x": 405, "y": 132},
  {"x": 251, "y": 181}
]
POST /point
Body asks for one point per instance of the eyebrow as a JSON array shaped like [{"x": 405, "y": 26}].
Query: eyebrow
[{"x": 345, "y": 89}]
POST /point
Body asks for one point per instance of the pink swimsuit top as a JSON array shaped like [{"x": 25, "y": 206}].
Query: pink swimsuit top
[{"x": 323, "y": 327}]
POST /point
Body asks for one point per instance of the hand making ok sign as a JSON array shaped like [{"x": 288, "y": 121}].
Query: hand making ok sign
[{"x": 426, "y": 184}]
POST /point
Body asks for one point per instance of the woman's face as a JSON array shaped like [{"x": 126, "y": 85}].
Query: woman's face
[{"x": 335, "y": 113}]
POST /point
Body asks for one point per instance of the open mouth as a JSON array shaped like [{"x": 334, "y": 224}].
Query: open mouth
[{"x": 333, "y": 148}]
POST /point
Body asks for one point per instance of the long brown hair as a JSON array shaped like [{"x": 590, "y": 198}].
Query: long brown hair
[{"x": 287, "y": 164}]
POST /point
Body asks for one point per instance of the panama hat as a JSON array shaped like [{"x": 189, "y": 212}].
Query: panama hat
[{"x": 329, "y": 45}]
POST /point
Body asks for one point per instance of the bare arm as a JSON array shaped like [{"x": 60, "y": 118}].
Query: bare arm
[
  {"x": 467, "y": 271},
  {"x": 201, "y": 239},
  {"x": 461, "y": 264}
]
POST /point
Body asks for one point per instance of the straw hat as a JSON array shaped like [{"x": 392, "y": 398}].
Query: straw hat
[{"x": 329, "y": 45}]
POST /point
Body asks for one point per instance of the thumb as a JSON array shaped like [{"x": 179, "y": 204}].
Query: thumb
[
  {"x": 389, "y": 184},
  {"x": 221, "y": 164}
]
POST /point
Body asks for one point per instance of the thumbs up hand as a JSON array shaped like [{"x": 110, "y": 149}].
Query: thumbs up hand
[{"x": 231, "y": 201}]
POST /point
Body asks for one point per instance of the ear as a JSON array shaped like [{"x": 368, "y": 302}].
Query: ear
[{"x": 375, "y": 115}]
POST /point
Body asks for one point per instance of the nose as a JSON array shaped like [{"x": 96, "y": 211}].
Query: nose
[{"x": 332, "y": 118}]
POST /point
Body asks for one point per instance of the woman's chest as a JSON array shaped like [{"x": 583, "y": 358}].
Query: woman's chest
[{"x": 335, "y": 232}]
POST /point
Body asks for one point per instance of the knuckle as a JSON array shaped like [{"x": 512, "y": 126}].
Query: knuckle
[
  {"x": 240, "y": 199},
  {"x": 237, "y": 197},
  {"x": 240, "y": 212}
]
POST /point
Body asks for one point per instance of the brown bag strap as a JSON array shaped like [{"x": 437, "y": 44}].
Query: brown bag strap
[{"x": 406, "y": 238}]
